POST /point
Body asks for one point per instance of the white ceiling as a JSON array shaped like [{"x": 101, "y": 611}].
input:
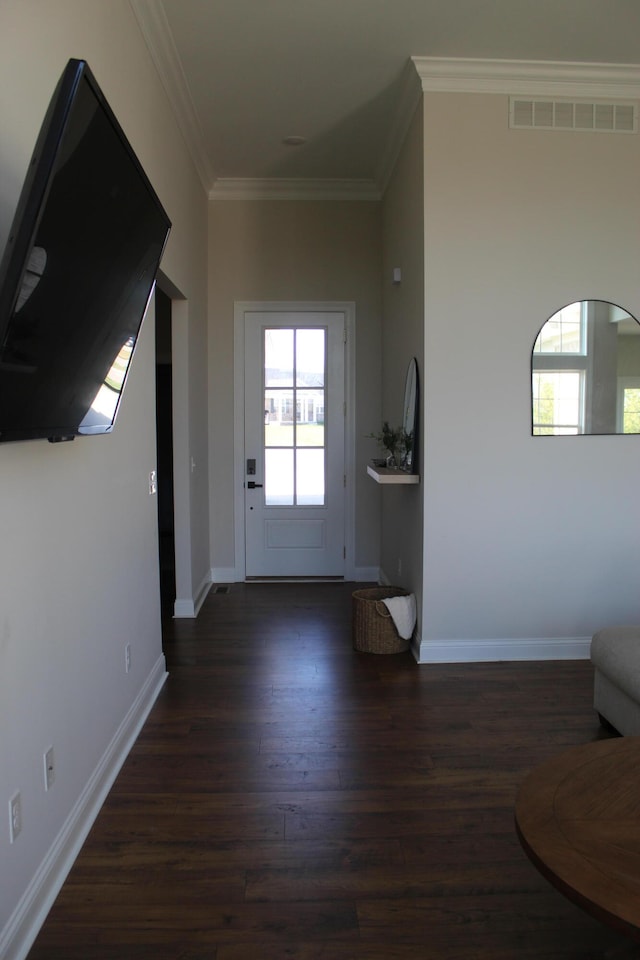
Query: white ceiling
[{"x": 245, "y": 74}]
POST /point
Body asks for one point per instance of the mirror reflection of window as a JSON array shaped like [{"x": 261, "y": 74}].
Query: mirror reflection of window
[
  {"x": 103, "y": 407},
  {"x": 585, "y": 371},
  {"x": 629, "y": 405}
]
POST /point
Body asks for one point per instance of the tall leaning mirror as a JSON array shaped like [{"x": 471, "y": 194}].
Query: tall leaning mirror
[
  {"x": 410, "y": 415},
  {"x": 585, "y": 371}
]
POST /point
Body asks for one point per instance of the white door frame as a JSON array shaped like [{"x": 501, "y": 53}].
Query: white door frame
[
  {"x": 187, "y": 600},
  {"x": 241, "y": 307}
]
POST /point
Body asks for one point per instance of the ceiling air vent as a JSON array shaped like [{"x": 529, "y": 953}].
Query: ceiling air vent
[{"x": 570, "y": 115}]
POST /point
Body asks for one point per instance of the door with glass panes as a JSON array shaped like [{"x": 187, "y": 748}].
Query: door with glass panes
[{"x": 294, "y": 486}]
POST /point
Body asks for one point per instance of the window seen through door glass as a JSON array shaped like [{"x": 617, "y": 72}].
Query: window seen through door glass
[
  {"x": 278, "y": 358},
  {"x": 294, "y": 415}
]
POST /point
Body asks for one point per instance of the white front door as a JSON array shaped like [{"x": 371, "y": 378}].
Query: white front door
[{"x": 294, "y": 482}]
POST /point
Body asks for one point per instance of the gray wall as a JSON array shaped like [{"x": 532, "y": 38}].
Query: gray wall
[
  {"x": 292, "y": 250},
  {"x": 78, "y": 529},
  {"x": 525, "y": 538},
  {"x": 402, "y": 339}
]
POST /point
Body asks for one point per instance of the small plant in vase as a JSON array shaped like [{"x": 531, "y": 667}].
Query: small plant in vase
[{"x": 391, "y": 440}]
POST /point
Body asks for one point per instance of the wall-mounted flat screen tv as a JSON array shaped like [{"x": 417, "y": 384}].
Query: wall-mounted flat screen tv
[{"x": 77, "y": 272}]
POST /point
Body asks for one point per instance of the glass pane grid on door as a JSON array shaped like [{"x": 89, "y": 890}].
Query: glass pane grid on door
[{"x": 294, "y": 375}]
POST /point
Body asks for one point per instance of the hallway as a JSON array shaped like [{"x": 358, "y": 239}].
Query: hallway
[{"x": 289, "y": 799}]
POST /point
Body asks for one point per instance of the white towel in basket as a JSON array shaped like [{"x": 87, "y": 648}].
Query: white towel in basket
[{"x": 403, "y": 611}]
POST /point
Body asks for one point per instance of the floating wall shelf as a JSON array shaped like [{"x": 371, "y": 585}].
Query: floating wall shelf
[{"x": 391, "y": 475}]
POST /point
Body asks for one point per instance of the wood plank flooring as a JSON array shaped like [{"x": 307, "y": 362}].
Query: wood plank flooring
[{"x": 291, "y": 799}]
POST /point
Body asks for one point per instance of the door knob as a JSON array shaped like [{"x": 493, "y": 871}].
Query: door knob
[{"x": 252, "y": 484}]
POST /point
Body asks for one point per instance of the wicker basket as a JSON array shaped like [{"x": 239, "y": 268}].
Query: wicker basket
[{"x": 373, "y": 628}]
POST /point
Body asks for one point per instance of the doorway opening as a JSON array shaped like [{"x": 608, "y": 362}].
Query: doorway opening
[{"x": 294, "y": 421}]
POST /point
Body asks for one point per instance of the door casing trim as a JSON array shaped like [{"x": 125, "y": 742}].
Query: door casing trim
[{"x": 348, "y": 308}]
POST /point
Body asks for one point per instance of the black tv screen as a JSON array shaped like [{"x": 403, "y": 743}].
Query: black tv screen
[{"x": 78, "y": 270}]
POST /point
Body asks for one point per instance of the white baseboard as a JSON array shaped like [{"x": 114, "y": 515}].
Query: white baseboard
[
  {"x": 17, "y": 937},
  {"x": 415, "y": 646},
  {"x": 184, "y": 609},
  {"x": 481, "y": 650},
  {"x": 201, "y": 595},
  {"x": 188, "y": 609}
]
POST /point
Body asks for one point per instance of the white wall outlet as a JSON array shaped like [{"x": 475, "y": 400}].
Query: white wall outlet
[
  {"x": 49, "y": 768},
  {"x": 127, "y": 658},
  {"x": 15, "y": 816},
  {"x": 153, "y": 483}
]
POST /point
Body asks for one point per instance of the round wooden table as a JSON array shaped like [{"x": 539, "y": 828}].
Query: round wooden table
[{"x": 578, "y": 819}]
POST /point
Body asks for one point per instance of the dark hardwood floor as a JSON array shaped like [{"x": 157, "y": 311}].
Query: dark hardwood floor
[{"x": 290, "y": 799}]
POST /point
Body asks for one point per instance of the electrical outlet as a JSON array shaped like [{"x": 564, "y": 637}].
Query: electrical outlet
[
  {"x": 15, "y": 816},
  {"x": 49, "y": 769},
  {"x": 153, "y": 483},
  {"x": 127, "y": 658}
]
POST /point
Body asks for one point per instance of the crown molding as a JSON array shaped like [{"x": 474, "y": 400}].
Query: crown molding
[
  {"x": 292, "y": 189},
  {"x": 410, "y": 97},
  {"x": 155, "y": 30},
  {"x": 528, "y": 77},
  {"x": 423, "y": 75}
]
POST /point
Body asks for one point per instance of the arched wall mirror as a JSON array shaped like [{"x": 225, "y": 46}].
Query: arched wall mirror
[
  {"x": 410, "y": 414},
  {"x": 585, "y": 371}
]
